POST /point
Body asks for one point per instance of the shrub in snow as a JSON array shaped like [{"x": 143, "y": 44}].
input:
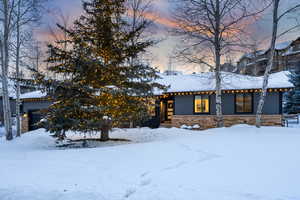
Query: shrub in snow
[
  {"x": 183, "y": 126},
  {"x": 106, "y": 118},
  {"x": 196, "y": 126},
  {"x": 292, "y": 98},
  {"x": 186, "y": 127}
]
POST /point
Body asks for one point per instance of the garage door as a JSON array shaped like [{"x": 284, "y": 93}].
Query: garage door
[{"x": 34, "y": 117}]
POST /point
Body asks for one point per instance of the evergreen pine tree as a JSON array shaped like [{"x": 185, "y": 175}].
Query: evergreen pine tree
[
  {"x": 100, "y": 81},
  {"x": 292, "y": 98}
]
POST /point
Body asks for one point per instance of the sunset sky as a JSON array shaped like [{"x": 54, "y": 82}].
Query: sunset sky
[{"x": 160, "y": 53}]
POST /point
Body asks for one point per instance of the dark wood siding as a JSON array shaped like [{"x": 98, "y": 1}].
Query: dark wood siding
[{"x": 184, "y": 104}]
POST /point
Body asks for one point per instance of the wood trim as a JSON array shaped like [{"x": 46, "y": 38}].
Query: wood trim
[
  {"x": 230, "y": 91},
  {"x": 35, "y": 99}
]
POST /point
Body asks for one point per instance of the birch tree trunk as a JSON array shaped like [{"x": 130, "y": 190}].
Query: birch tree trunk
[
  {"x": 217, "y": 45},
  {"x": 5, "y": 62},
  {"x": 269, "y": 66},
  {"x": 18, "y": 121}
]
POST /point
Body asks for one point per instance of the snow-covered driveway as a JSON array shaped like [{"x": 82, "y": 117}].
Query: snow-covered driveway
[{"x": 237, "y": 163}]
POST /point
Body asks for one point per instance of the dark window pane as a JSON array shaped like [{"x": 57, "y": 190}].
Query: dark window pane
[
  {"x": 239, "y": 103},
  {"x": 248, "y": 103},
  {"x": 243, "y": 103}
]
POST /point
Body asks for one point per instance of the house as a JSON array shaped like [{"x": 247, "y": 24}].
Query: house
[
  {"x": 287, "y": 54},
  {"x": 190, "y": 100}
]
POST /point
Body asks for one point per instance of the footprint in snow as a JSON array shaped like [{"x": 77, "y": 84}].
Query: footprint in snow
[
  {"x": 145, "y": 182},
  {"x": 129, "y": 192},
  {"x": 145, "y": 174},
  {"x": 209, "y": 157},
  {"x": 175, "y": 166}
]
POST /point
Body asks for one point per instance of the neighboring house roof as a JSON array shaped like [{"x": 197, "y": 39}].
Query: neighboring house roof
[
  {"x": 283, "y": 45},
  {"x": 230, "y": 81},
  {"x": 252, "y": 54},
  {"x": 279, "y": 46}
]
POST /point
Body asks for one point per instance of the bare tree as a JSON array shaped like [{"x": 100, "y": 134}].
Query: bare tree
[
  {"x": 27, "y": 12},
  {"x": 210, "y": 29},
  {"x": 7, "y": 27},
  {"x": 276, "y": 19},
  {"x": 58, "y": 33},
  {"x": 138, "y": 12}
]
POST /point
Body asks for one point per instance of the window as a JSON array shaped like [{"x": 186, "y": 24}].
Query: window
[
  {"x": 201, "y": 104},
  {"x": 243, "y": 103}
]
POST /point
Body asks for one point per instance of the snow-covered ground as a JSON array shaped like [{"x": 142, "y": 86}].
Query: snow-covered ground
[{"x": 237, "y": 163}]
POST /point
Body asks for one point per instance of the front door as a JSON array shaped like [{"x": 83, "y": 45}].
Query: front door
[
  {"x": 166, "y": 110},
  {"x": 162, "y": 111}
]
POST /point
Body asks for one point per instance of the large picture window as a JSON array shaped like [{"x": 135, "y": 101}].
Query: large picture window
[
  {"x": 201, "y": 104},
  {"x": 243, "y": 103}
]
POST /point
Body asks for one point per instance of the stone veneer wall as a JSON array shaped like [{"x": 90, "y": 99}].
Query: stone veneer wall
[
  {"x": 24, "y": 124},
  {"x": 209, "y": 121}
]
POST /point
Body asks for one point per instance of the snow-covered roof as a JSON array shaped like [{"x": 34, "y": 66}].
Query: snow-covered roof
[
  {"x": 206, "y": 82},
  {"x": 230, "y": 81},
  {"x": 283, "y": 45},
  {"x": 291, "y": 52},
  {"x": 34, "y": 94},
  {"x": 252, "y": 54}
]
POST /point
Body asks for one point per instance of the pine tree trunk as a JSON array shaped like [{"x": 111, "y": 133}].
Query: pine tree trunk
[
  {"x": 105, "y": 130},
  {"x": 131, "y": 124},
  {"x": 269, "y": 66},
  {"x": 218, "y": 68},
  {"x": 104, "y": 134},
  {"x": 5, "y": 62}
]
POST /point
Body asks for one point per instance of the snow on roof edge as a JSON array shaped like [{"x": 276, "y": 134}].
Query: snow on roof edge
[
  {"x": 230, "y": 81},
  {"x": 34, "y": 94}
]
